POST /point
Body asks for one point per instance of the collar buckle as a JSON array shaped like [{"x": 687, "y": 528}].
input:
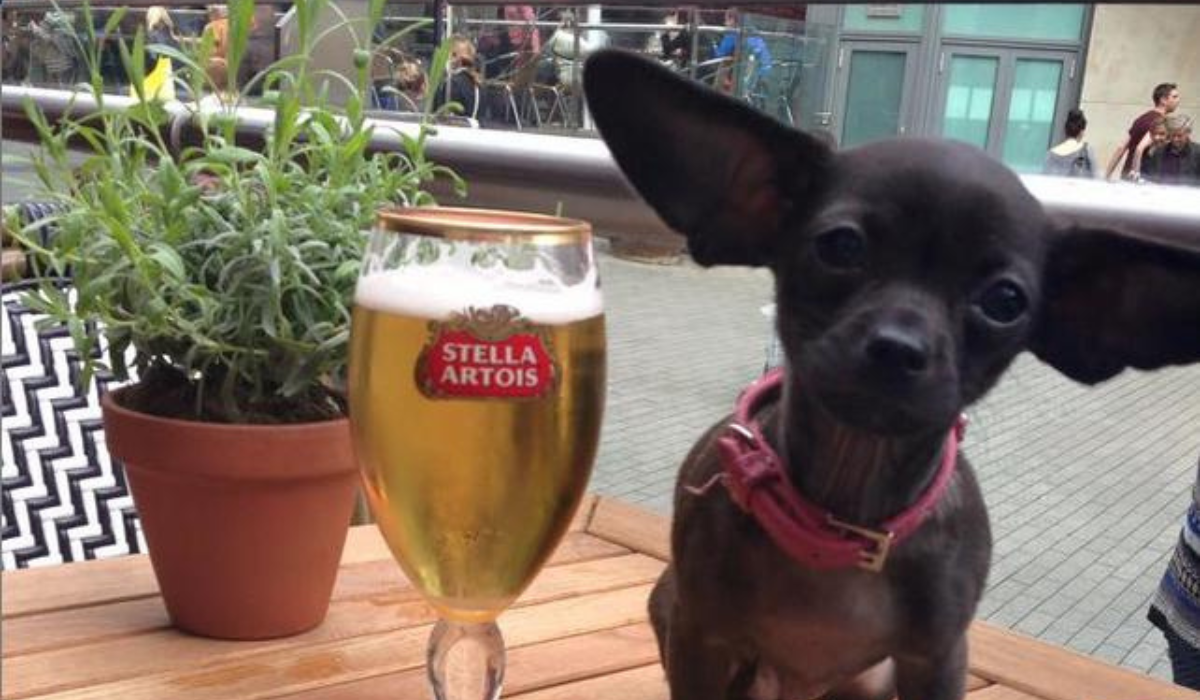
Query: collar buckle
[
  {"x": 872, "y": 560},
  {"x": 743, "y": 432}
]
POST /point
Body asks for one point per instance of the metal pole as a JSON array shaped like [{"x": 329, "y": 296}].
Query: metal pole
[{"x": 441, "y": 9}]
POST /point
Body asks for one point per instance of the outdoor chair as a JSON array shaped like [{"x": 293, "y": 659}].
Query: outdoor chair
[
  {"x": 63, "y": 498},
  {"x": 499, "y": 94},
  {"x": 787, "y": 84},
  {"x": 546, "y": 104},
  {"x": 388, "y": 98}
]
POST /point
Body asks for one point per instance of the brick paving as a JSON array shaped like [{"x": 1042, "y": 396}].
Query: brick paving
[{"x": 1086, "y": 486}]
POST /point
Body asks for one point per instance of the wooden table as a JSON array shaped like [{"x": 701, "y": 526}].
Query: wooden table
[{"x": 98, "y": 630}]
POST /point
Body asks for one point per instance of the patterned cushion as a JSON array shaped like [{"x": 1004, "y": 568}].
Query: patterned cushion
[{"x": 63, "y": 498}]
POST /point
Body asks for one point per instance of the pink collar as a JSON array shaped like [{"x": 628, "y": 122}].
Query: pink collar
[{"x": 757, "y": 482}]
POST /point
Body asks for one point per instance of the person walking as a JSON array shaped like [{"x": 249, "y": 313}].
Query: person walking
[
  {"x": 1178, "y": 161},
  {"x": 1175, "y": 607},
  {"x": 1166, "y": 100},
  {"x": 1073, "y": 157}
]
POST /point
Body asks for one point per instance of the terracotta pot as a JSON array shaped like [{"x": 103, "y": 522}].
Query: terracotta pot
[{"x": 245, "y": 523}]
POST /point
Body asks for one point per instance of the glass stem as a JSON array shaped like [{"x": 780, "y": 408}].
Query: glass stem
[{"x": 466, "y": 660}]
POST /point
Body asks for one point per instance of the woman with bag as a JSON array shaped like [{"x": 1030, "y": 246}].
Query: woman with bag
[{"x": 1073, "y": 157}]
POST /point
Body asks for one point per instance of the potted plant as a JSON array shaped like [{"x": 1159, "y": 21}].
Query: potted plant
[{"x": 227, "y": 275}]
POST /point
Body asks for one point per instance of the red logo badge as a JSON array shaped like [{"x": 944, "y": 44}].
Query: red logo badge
[{"x": 487, "y": 353}]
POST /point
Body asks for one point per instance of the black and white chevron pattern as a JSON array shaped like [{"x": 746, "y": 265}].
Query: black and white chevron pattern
[{"x": 63, "y": 498}]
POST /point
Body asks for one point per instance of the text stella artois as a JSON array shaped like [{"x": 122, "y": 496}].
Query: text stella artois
[{"x": 487, "y": 353}]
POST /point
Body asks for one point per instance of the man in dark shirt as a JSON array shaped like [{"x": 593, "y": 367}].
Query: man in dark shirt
[
  {"x": 1178, "y": 162},
  {"x": 1166, "y": 99}
]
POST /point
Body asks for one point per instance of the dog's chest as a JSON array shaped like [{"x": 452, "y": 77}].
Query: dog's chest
[
  {"x": 811, "y": 611},
  {"x": 809, "y": 634},
  {"x": 806, "y": 630}
]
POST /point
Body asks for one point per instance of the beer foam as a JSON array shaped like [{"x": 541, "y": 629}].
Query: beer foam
[{"x": 437, "y": 292}]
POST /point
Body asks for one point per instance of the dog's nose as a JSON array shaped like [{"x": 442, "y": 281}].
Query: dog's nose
[{"x": 897, "y": 351}]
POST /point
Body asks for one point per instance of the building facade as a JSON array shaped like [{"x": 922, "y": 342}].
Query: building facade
[{"x": 1002, "y": 77}]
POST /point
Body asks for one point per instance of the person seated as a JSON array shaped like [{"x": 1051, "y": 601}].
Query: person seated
[
  {"x": 410, "y": 83},
  {"x": 523, "y": 40},
  {"x": 570, "y": 49},
  {"x": 54, "y": 50},
  {"x": 1178, "y": 162},
  {"x": 462, "y": 78},
  {"x": 218, "y": 29},
  {"x": 756, "y": 46},
  {"x": 223, "y": 96},
  {"x": 676, "y": 41}
]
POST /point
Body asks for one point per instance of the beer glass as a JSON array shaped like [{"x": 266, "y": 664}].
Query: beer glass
[{"x": 477, "y": 378}]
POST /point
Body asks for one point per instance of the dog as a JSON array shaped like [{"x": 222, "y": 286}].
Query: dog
[{"x": 909, "y": 273}]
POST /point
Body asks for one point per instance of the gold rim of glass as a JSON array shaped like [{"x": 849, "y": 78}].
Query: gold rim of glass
[{"x": 488, "y": 225}]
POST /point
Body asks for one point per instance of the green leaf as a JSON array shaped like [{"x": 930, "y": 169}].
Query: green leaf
[
  {"x": 241, "y": 19},
  {"x": 169, "y": 259},
  {"x": 134, "y": 62},
  {"x": 114, "y": 20}
]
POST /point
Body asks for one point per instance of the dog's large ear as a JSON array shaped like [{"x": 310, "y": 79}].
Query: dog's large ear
[
  {"x": 714, "y": 169},
  {"x": 1111, "y": 302}
]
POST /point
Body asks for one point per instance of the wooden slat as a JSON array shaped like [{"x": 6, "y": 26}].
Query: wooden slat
[
  {"x": 366, "y": 578},
  {"x": 632, "y": 527},
  {"x": 1051, "y": 672},
  {"x": 127, "y": 657},
  {"x": 645, "y": 683},
  {"x": 53, "y": 587},
  {"x": 1000, "y": 692},
  {"x": 59, "y": 629},
  {"x": 124, "y": 578},
  {"x": 285, "y": 671},
  {"x": 529, "y": 668}
]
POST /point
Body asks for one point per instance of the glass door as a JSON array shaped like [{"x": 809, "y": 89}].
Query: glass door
[
  {"x": 969, "y": 98},
  {"x": 1036, "y": 111},
  {"x": 1009, "y": 102},
  {"x": 875, "y": 82}
]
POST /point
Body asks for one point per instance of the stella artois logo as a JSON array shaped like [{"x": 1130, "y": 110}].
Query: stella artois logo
[{"x": 487, "y": 353}]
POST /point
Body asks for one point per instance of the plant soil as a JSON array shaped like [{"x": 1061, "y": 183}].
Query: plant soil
[{"x": 167, "y": 393}]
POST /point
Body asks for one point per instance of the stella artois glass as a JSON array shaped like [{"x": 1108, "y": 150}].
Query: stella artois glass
[{"x": 477, "y": 368}]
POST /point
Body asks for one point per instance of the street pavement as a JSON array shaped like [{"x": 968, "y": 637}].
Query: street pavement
[{"x": 1086, "y": 487}]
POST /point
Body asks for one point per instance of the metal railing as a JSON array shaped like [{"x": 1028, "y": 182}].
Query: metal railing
[{"x": 546, "y": 173}]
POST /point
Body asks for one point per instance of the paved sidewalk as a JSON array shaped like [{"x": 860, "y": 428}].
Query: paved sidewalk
[{"x": 1086, "y": 487}]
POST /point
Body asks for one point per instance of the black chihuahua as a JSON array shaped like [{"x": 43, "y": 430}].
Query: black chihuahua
[{"x": 832, "y": 542}]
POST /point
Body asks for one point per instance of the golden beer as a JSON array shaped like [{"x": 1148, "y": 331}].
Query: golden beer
[{"x": 472, "y": 493}]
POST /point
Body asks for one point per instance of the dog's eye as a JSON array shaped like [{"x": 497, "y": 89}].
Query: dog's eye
[
  {"x": 1003, "y": 302},
  {"x": 842, "y": 248}
]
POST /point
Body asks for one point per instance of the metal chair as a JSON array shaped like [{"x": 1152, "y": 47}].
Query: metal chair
[{"x": 62, "y": 498}]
